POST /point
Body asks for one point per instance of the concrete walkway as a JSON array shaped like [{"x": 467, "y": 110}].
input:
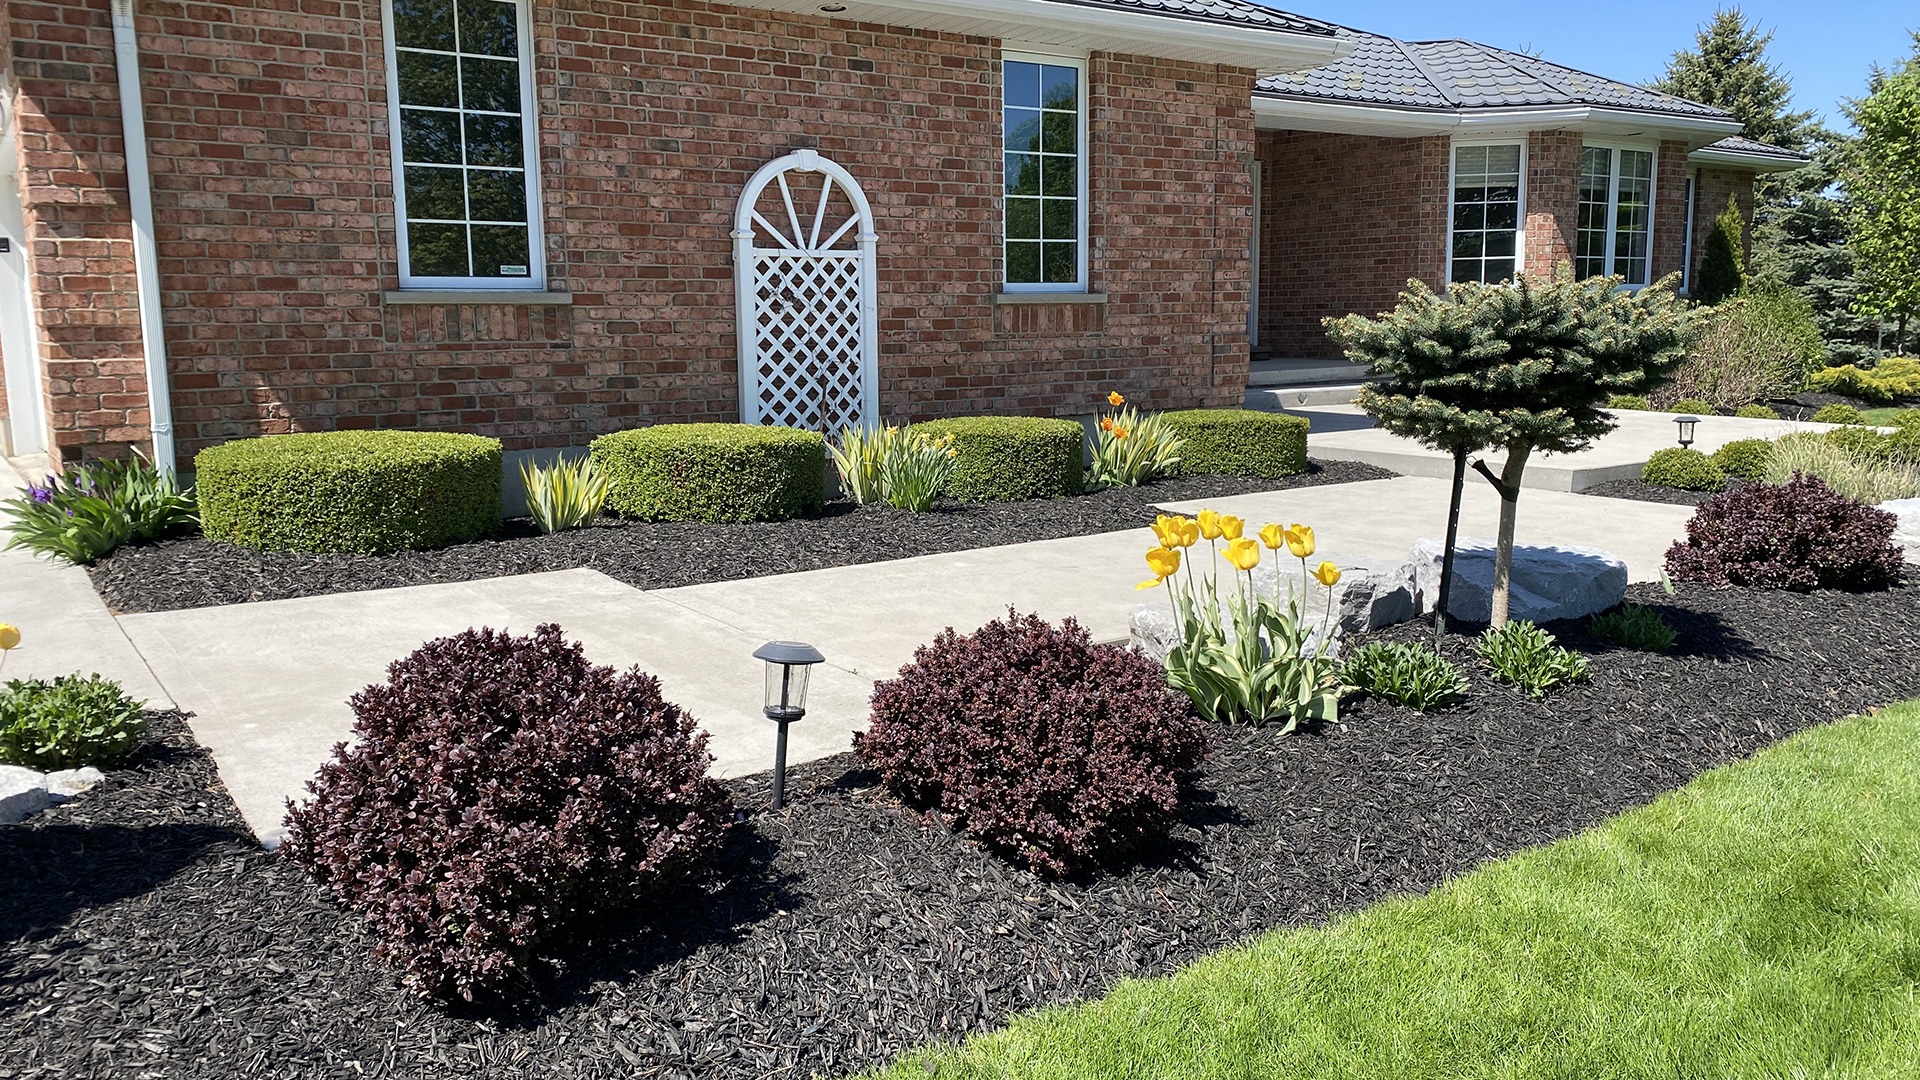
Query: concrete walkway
[
  {"x": 267, "y": 683},
  {"x": 1344, "y": 433}
]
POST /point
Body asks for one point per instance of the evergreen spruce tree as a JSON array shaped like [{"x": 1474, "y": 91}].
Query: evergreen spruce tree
[
  {"x": 1728, "y": 69},
  {"x": 1800, "y": 240},
  {"x": 1723, "y": 264},
  {"x": 1525, "y": 367}
]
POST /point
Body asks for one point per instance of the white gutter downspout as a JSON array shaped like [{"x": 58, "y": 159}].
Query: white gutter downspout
[{"x": 146, "y": 259}]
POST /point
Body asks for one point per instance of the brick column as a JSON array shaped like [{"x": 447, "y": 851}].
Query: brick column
[
  {"x": 1669, "y": 209},
  {"x": 1553, "y": 199}
]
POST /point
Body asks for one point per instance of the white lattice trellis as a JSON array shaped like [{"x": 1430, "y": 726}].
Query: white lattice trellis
[{"x": 808, "y": 321}]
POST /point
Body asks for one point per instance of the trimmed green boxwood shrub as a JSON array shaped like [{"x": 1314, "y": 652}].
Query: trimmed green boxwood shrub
[
  {"x": 713, "y": 472},
  {"x": 1864, "y": 443},
  {"x": 1693, "y": 405},
  {"x": 1745, "y": 458},
  {"x": 1011, "y": 458},
  {"x": 1240, "y": 442},
  {"x": 1628, "y": 403},
  {"x": 1757, "y": 412},
  {"x": 350, "y": 491},
  {"x": 1837, "y": 413},
  {"x": 1688, "y": 469}
]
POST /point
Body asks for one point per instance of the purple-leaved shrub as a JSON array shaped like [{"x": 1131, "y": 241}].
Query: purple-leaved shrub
[
  {"x": 1037, "y": 742},
  {"x": 501, "y": 792},
  {"x": 1798, "y": 535}
]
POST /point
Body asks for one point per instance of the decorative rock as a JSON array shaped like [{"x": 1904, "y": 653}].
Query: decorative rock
[
  {"x": 1907, "y": 532},
  {"x": 67, "y": 783},
  {"x": 1548, "y": 582},
  {"x": 23, "y": 793}
]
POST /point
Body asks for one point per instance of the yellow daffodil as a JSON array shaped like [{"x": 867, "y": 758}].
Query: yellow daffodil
[
  {"x": 9, "y": 636},
  {"x": 1274, "y": 536},
  {"x": 1115, "y": 399},
  {"x": 953, "y": 453},
  {"x": 1300, "y": 540},
  {"x": 1163, "y": 562},
  {"x": 1106, "y": 423},
  {"x": 1119, "y": 432},
  {"x": 1231, "y": 527},
  {"x": 1327, "y": 574},
  {"x": 1243, "y": 554},
  {"x": 1209, "y": 524}
]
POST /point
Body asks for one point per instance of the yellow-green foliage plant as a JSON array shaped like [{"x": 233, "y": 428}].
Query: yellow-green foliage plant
[
  {"x": 1891, "y": 379},
  {"x": 1864, "y": 479},
  {"x": 1261, "y": 663},
  {"x": 859, "y": 454},
  {"x": 1132, "y": 447},
  {"x": 567, "y": 494},
  {"x": 916, "y": 468}
]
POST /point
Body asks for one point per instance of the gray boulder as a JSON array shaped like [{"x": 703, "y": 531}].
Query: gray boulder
[
  {"x": 67, "y": 783},
  {"x": 1548, "y": 582},
  {"x": 1907, "y": 532},
  {"x": 23, "y": 793}
]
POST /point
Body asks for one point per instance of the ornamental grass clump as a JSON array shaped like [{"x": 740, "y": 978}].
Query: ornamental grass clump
[
  {"x": 68, "y": 722},
  {"x": 84, "y": 513},
  {"x": 916, "y": 469},
  {"x": 1632, "y": 626},
  {"x": 1131, "y": 447},
  {"x": 1799, "y": 535},
  {"x": 1413, "y": 676},
  {"x": 858, "y": 455},
  {"x": 563, "y": 495},
  {"x": 1246, "y": 656},
  {"x": 1528, "y": 657},
  {"x": 1057, "y": 752},
  {"x": 501, "y": 793},
  {"x": 1873, "y": 477}
]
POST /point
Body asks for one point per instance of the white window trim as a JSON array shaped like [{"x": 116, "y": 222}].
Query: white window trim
[
  {"x": 1453, "y": 186},
  {"x": 1686, "y": 240},
  {"x": 536, "y": 279},
  {"x": 1613, "y": 203},
  {"x": 1082, "y": 177}
]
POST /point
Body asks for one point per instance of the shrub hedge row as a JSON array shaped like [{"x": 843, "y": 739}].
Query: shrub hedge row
[
  {"x": 713, "y": 472},
  {"x": 1240, "y": 442},
  {"x": 1011, "y": 458}
]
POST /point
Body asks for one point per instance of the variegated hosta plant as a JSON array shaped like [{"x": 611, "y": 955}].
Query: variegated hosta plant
[
  {"x": 1258, "y": 661},
  {"x": 1133, "y": 447}
]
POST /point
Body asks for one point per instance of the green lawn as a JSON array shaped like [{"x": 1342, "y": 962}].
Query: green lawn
[
  {"x": 1762, "y": 922},
  {"x": 1882, "y": 417}
]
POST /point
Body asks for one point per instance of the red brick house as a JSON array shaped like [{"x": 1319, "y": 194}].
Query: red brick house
[{"x": 544, "y": 220}]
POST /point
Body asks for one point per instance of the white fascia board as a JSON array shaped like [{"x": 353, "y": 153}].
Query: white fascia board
[
  {"x": 1759, "y": 163},
  {"x": 1282, "y": 113},
  {"x": 1081, "y": 27},
  {"x": 1292, "y": 114}
]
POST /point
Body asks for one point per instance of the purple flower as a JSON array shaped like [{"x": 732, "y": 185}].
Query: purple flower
[{"x": 41, "y": 494}]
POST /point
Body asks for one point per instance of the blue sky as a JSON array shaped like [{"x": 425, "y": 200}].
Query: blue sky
[{"x": 1825, "y": 48}]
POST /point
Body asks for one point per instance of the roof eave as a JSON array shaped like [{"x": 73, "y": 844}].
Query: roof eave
[
  {"x": 1277, "y": 111},
  {"x": 1748, "y": 162},
  {"x": 1082, "y": 28}
]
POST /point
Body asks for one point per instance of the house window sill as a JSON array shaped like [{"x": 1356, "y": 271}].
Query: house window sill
[
  {"x": 1017, "y": 298},
  {"x": 526, "y": 298}
]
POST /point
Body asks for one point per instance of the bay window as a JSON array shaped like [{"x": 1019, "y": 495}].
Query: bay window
[
  {"x": 1045, "y": 142},
  {"x": 1488, "y": 194},
  {"x": 1615, "y": 234}
]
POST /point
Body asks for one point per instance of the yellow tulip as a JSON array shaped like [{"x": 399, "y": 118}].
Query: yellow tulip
[
  {"x": 1209, "y": 524},
  {"x": 1243, "y": 554},
  {"x": 1115, "y": 399},
  {"x": 1273, "y": 536},
  {"x": 9, "y": 636},
  {"x": 1163, "y": 562},
  {"x": 1189, "y": 532},
  {"x": 1327, "y": 574},
  {"x": 1230, "y": 526},
  {"x": 1300, "y": 540}
]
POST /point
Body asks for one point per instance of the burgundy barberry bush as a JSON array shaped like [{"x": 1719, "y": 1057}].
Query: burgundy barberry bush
[
  {"x": 1798, "y": 535},
  {"x": 501, "y": 791},
  {"x": 1037, "y": 742}
]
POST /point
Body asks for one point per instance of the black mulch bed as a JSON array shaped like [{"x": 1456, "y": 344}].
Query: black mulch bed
[
  {"x": 1641, "y": 491},
  {"x": 197, "y": 572},
  {"x": 142, "y": 934}
]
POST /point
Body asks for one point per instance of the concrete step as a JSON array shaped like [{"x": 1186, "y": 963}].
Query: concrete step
[
  {"x": 1278, "y": 398},
  {"x": 1310, "y": 371}
]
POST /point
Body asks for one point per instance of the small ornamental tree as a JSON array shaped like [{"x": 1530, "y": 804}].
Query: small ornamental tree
[
  {"x": 1525, "y": 367},
  {"x": 1723, "y": 268}
]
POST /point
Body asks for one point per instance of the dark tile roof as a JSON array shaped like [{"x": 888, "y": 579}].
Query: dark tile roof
[
  {"x": 1463, "y": 75},
  {"x": 1241, "y": 13},
  {"x": 1737, "y": 144}
]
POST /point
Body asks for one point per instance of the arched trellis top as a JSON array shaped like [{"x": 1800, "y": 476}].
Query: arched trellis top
[{"x": 805, "y": 276}]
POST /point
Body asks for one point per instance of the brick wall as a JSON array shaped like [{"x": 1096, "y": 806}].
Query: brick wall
[
  {"x": 268, "y": 126},
  {"x": 1669, "y": 209},
  {"x": 1346, "y": 220},
  {"x": 1710, "y": 198},
  {"x": 1553, "y": 199}
]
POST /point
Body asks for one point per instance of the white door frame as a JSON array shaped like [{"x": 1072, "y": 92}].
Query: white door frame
[
  {"x": 25, "y": 430},
  {"x": 1253, "y": 296},
  {"x": 797, "y": 251}
]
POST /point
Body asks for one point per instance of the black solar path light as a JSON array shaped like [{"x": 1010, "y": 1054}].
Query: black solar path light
[
  {"x": 1686, "y": 425},
  {"x": 788, "y": 664}
]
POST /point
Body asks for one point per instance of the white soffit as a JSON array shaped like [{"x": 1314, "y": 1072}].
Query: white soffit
[
  {"x": 1078, "y": 28},
  {"x": 1290, "y": 114}
]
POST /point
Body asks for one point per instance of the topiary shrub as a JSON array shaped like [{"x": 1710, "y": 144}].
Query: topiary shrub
[
  {"x": 1799, "y": 535},
  {"x": 67, "y": 723},
  {"x": 1628, "y": 403},
  {"x": 500, "y": 792},
  {"x": 1757, "y": 412},
  {"x": 1746, "y": 459},
  {"x": 1837, "y": 413},
  {"x": 350, "y": 491},
  {"x": 1687, "y": 469},
  {"x": 1693, "y": 405},
  {"x": 713, "y": 472},
  {"x": 1012, "y": 458},
  {"x": 1905, "y": 420},
  {"x": 1240, "y": 442},
  {"x": 1036, "y": 742}
]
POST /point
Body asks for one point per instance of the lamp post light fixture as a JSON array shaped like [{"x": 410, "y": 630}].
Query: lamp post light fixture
[
  {"x": 1686, "y": 425},
  {"x": 788, "y": 663}
]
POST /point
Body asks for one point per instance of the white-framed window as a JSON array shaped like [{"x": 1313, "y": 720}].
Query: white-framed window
[
  {"x": 1489, "y": 211},
  {"x": 1615, "y": 234},
  {"x": 466, "y": 186},
  {"x": 1044, "y": 139},
  {"x": 1686, "y": 243}
]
